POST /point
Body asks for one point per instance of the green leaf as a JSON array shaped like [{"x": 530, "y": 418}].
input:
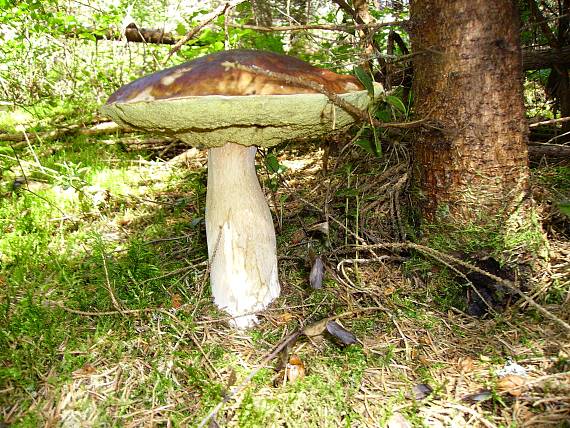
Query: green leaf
[
  {"x": 564, "y": 208},
  {"x": 369, "y": 146},
  {"x": 273, "y": 165},
  {"x": 396, "y": 103},
  {"x": 180, "y": 29},
  {"x": 365, "y": 79},
  {"x": 383, "y": 115}
]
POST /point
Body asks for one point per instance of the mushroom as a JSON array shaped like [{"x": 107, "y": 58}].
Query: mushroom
[{"x": 231, "y": 111}]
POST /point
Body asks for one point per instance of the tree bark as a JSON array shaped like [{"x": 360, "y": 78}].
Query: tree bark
[
  {"x": 536, "y": 59},
  {"x": 541, "y": 151},
  {"x": 469, "y": 79}
]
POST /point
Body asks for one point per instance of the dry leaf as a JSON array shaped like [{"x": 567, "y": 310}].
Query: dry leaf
[
  {"x": 316, "y": 328},
  {"x": 341, "y": 334},
  {"x": 279, "y": 378},
  {"x": 511, "y": 384},
  {"x": 477, "y": 397},
  {"x": 284, "y": 318},
  {"x": 421, "y": 391},
  {"x": 320, "y": 227},
  {"x": 87, "y": 369},
  {"x": 124, "y": 222},
  {"x": 466, "y": 365},
  {"x": 230, "y": 382},
  {"x": 317, "y": 274},
  {"x": 231, "y": 379},
  {"x": 176, "y": 301}
]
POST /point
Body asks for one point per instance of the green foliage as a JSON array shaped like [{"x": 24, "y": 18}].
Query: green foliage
[
  {"x": 365, "y": 79},
  {"x": 369, "y": 145},
  {"x": 274, "y": 170},
  {"x": 48, "y": 255},
  {"x": 554, "y": 177},
  {"x": 88, "y": 227}
]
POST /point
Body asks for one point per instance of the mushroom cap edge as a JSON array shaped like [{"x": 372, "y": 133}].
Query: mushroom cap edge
[{"x": 260, "y": 120}]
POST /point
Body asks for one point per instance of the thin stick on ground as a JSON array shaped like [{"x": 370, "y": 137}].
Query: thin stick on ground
[
  {"x": 438, "y": 255},
  {"x": 100, "y": 313},
  {"x": 109, "y": 287},
  {"x": 282, "y": 345}
]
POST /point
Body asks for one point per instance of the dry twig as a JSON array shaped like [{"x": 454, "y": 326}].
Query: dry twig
[
  {"x": 438, "y": 255},
  {"x": 357, "y": 113},
  {"x": 220, "y": 10},
  {"x": 549, "y": 122},
  {"x": 375, "y": 26}
]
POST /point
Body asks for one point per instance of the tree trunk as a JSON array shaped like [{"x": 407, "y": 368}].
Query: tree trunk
[
  {"x": 468, "y": 77},
  {"x": 536, "y": 59}
]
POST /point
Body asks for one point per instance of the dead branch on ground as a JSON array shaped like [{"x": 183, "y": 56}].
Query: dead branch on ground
[{"x": 99, "y": 129}]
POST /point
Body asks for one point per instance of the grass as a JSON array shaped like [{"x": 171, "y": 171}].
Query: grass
[{"x": 96, "y": 229}]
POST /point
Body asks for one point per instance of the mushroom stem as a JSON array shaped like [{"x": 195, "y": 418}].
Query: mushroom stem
[{"x": 240, "y": 234}]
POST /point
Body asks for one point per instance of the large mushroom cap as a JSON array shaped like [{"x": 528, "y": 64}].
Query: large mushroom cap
[
  {"x": 207, "y": 103},
  {"x": 209, "y": 76}
]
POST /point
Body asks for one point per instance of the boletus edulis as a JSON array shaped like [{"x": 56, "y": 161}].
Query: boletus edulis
[{"x": 211, "y": 103}]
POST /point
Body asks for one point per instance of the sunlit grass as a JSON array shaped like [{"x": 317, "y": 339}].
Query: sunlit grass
[{"x": 94, "y": 231}]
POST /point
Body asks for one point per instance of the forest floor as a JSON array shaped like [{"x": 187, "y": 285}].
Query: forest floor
[{"x": 106, "y": 317}]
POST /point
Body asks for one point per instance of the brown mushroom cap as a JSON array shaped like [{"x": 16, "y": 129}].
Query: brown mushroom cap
[
  {"x": 208, "y": 76},
  {"x": 208, "y": 104}
]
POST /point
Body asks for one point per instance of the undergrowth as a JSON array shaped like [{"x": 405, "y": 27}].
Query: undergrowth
[{"x": 106, "y": 317}]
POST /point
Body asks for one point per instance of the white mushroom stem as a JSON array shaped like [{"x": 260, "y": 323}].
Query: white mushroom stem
[{"x": 240, "y": 234}]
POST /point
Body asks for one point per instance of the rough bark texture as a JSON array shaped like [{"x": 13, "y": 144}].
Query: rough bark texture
[
  {"x": 469, "y": 79},
  {"x": 536, "y": 59}
]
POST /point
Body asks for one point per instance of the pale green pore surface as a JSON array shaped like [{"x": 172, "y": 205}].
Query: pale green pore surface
[{"x": 260, "y": 120}]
